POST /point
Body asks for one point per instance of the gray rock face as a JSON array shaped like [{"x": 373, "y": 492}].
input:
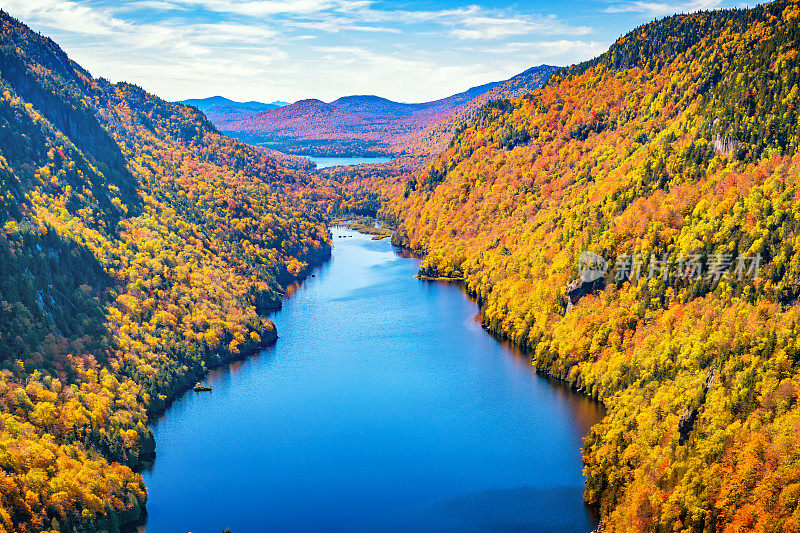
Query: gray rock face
[{"x": 725, "y": 144}]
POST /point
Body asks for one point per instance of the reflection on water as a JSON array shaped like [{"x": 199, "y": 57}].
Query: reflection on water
[{"x": 383, "y": 406}]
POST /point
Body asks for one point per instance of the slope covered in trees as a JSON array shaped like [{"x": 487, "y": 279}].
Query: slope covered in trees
[
  {"x": 366, "y": 124},
  {"x": 138, "y": 248},
  {"x": 674, "y": 156},
  {"x": 435, "y": 138},
  {"x": 361, "y": 189}
]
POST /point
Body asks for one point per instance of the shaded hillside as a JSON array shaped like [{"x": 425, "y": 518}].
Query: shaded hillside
[
  {"x": 356, "y": 125},
  {"x": 138, "y": 247},
  {"x": 674, "y": 156}
]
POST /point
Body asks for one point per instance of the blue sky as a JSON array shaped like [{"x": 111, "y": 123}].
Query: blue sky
[{"x": 268, "y": 50}]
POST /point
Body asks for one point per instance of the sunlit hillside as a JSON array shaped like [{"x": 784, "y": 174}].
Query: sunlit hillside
[
  {"x": 357, "y": 125},
  {"x": 138, "y": 247},
  {"x": 674, "y": 156}
]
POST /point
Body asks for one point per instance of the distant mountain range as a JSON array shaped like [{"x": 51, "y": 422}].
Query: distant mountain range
[
  {"x": 361, "y": 124},
  {"x": 221, "y": 110},
  {"x": 435, "y": 138}
]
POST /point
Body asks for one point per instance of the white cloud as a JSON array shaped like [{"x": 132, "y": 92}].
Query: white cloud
[
  {"x": 549, "y": 49},
  {"x": 156, "y": 5},
  {"x": 404, "y": 16},
  {"x": 336, "y": 25},
  {"x": 264, "y": 8},
  {"x": 487, "y": 27},
  {"x": 66, "y": 15},
  {"x": 293, "y": 49},
  {"x": 658, "y": 9}
]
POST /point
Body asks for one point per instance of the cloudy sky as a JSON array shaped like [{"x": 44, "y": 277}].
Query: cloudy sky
[{"x": 269, "y": 50}]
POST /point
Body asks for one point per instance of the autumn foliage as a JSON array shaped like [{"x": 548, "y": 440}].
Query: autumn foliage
[
  {"x": 681, "y": 140},
  {"x": 138, "y": 248}
]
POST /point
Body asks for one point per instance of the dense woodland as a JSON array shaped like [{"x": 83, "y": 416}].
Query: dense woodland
[
  {"x": 138, "y": 248},
  {"x": 435, "y": 138},
  {"x": 680, "y": 142}
]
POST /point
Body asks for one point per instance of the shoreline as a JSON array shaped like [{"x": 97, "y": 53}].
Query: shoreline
[
  {"x": 420, "y": 254},
  {"x": 520, "y": 361},
  {"x": 245, "y": 354},
  {"x": 154, "y": 414},
  {"x": 555, "y": 381}
]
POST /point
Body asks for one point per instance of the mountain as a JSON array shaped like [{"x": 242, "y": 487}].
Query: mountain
[
  {"x": 355, "y": 125},
  {"x": 221, "y": 111},
  {"x": 139, "y": 248},
  {"x": 675, "y": 158},
  {"x": 214, "y": 101},
  {"x": 434, "y": 138},
  {"x": 375, "y": 105}
]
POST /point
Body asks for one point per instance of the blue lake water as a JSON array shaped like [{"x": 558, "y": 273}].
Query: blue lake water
[
  {"x": 384, "y": 406},
  {"x": 325, "y": 162}
]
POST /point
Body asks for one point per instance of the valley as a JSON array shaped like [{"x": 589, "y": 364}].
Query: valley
[
  {"x": 417, "y": 418},
  {"x": 144, "y": 248}
]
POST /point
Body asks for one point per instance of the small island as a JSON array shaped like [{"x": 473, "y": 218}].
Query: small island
[{"x": 366, "y": 226}]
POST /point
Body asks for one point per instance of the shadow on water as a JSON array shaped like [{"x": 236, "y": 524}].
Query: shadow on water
[{"x": 524, "y": 509}]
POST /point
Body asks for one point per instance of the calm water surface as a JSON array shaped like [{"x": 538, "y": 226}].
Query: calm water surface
[
  {"x": 383, "y": 407},
  {"x": 325, "y": 162}
]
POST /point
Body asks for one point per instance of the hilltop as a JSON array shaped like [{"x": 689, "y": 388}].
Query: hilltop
[
  {"x": 434, "y": 138},
  {"x": 222, "y": 111},
  {"x": 363, "y": 124}
]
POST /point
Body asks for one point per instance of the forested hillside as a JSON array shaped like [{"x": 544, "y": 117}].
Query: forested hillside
[
  {"x": 674, "y": 156},
  {"x": 366, "y": 124},
  {"x": 362, "y": 189},
  {"x": 435, "y": 138},
  {"x": 138, "y": 248}
]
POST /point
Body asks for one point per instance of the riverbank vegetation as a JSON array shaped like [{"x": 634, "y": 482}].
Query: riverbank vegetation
[
  {"x": 680, "y": 142},
  {"x": 138, "y": 249},
  {"x": 366, "y": 226}
]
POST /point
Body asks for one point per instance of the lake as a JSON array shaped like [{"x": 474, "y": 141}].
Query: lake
[
  {"x": 325, "y": 162},
  {"x": 383, "y": 406}
]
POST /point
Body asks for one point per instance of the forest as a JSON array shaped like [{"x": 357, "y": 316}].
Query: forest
[
  {"x": 370, "y": 125},
  {"x": 138, "y": 249},
  {"x": 679, "y": 142}
]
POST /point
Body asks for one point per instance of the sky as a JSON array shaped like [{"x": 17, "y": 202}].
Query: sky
[{"x": 266, "y": 50}]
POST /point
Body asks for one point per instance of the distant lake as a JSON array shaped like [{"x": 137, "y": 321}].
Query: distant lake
[
  {"x": 325, "y": 162},
  {"x": 384, "y": 406}
]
